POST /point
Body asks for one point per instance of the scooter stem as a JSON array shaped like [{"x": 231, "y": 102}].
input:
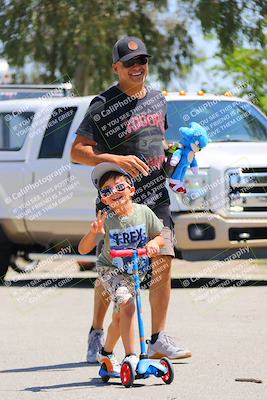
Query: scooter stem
[{"x": 139, "y": 306}]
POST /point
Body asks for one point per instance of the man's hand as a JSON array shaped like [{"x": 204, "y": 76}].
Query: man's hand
[
  {"x": 152, "y": 248},
  {"x": 133, "y": 165},
  {"x": 97, "y": 227}
]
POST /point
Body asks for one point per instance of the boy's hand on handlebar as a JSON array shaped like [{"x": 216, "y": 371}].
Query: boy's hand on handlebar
[
  {"x": 97, "y": 227},
  {"x": 152, "y": 248}
]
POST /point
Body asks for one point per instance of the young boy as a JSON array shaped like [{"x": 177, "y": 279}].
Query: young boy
[{"x": 127, "y": 225}]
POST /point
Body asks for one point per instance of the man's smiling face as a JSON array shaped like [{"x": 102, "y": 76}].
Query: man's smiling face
[{"x": 136, "y": 74}]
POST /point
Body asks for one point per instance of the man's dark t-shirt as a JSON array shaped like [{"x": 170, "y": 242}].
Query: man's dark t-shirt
[{"x": 125, "y": 125}]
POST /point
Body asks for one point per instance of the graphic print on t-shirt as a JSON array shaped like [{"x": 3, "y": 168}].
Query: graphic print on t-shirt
[
  {"x": 130, "y": 237},
  {"x": 148, "y": 146},
  {"x": 126, "y": 125}
]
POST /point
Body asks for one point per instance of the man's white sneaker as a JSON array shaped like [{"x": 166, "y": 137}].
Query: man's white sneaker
[
  {"x": 166, "y": 347},
  {"x": 95, "y": 344}
]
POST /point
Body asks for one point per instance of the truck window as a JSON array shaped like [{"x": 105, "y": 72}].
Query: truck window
[
  {"x": 14, "y": 128},
  {"x": 225, "y": 121},
  {"x": 56, "y": 132}
]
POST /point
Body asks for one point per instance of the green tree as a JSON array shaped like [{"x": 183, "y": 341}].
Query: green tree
[
  {"x": 233, "y": 21},
  {"x": 240, "y": 26},
  {"x": 249, "y": 66},
  {"x": 74, "y": 38}
]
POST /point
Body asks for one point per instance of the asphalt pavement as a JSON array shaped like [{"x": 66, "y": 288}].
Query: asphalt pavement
[{"x": 45, "y": 319}]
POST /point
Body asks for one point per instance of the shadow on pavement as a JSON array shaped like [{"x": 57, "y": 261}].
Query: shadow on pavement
[
  {"x": 47, "y": 367},
  {"x": 176, "y": 283},
  {"x": 213, "y": 282},
  {"x": 95, "y": 382},
  {"x": 66, "y": 366}
]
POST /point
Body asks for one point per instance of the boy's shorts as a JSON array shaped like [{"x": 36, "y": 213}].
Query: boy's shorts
[
  {"x": 164, "y": 215},
  {"x": 167, "y": 249},
  {"x": 119, "y": 286}
]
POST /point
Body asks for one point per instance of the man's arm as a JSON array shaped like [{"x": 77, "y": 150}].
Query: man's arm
[{"x": 83, "y": 152}]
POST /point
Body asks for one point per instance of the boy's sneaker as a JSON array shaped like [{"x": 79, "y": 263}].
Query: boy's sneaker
[
  {"x": 95, "y": 344},
  {"x": 133, "y": 359},
  {"x": 166, "y": 347},
  {"x": 111, "y": 362}
]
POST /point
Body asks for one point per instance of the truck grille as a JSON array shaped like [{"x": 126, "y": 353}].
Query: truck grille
[{"x": 247, "y": 189}]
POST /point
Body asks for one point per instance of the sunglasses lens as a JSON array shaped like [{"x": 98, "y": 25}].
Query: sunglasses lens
[
  {"x": 142, "y": 60},
  {"x": 106, "y": 192},
  {"x": 120, "y": 187}
]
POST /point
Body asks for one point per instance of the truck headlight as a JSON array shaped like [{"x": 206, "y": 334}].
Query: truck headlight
[{"x": 196, "y": 196}]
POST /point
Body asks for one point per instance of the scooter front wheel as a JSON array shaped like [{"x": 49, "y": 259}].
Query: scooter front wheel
[
  {"x": 127, "y": 374},
  {"x": 104, "y": 378},
  {"x": 168, "y": 377}
]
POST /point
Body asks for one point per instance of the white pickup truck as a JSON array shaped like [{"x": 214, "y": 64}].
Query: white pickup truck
[{"x": 47, "y": 201}]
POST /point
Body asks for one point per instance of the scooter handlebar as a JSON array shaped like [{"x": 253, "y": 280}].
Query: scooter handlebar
[{"x": 127, "y": 252}]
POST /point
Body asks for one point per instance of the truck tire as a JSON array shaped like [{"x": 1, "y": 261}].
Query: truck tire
[
  {"x": 5, "y": 255},
  {"x": 86, "y": 266},
  {"x": 178, "y": 254},
  {"x": 23, "y": 266}
]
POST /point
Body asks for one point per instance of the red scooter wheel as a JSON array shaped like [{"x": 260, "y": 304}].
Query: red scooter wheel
[
  {"x": 127, "y": 374},
  {"x": 168, "y": 377}
]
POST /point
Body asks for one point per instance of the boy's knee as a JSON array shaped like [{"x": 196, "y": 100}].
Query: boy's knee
[
  {"x": 116, "y": 318},
  {"x": 127, "y": 307},
  {"x": 123, "y": 294}
]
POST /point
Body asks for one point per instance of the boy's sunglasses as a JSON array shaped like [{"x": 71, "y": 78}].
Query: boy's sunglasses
[
  {"x": 120, "y": 187},
  {"x": 140, "y": 60}
]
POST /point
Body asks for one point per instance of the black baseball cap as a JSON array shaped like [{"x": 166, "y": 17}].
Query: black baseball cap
[{"x": 128, "y": 47}]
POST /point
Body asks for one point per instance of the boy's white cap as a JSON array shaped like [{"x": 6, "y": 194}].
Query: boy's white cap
[{"x": 104, "y": 167}]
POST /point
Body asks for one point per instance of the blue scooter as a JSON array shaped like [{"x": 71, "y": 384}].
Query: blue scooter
[{"x": 161, "y": 369}]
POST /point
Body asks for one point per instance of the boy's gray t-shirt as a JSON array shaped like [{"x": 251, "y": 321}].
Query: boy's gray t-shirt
[{"x": 130, "y": 232}]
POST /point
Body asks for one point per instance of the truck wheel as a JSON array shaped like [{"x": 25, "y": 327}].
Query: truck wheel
[
  {"x": 86, "y": 266},
  {"x": 21, "y": 263},
  {"x": 5, "y": 256},
  {"x": 178, "y": 254}
]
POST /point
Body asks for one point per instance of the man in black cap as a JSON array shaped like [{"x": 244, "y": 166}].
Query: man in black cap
[{"x": 125, "y": 125}]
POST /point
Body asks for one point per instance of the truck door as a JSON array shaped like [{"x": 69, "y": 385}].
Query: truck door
[
  {"x": 48, "y": 204},
  {"x": 84, "y": 194},
  {"x": 15, "y": 126}
]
